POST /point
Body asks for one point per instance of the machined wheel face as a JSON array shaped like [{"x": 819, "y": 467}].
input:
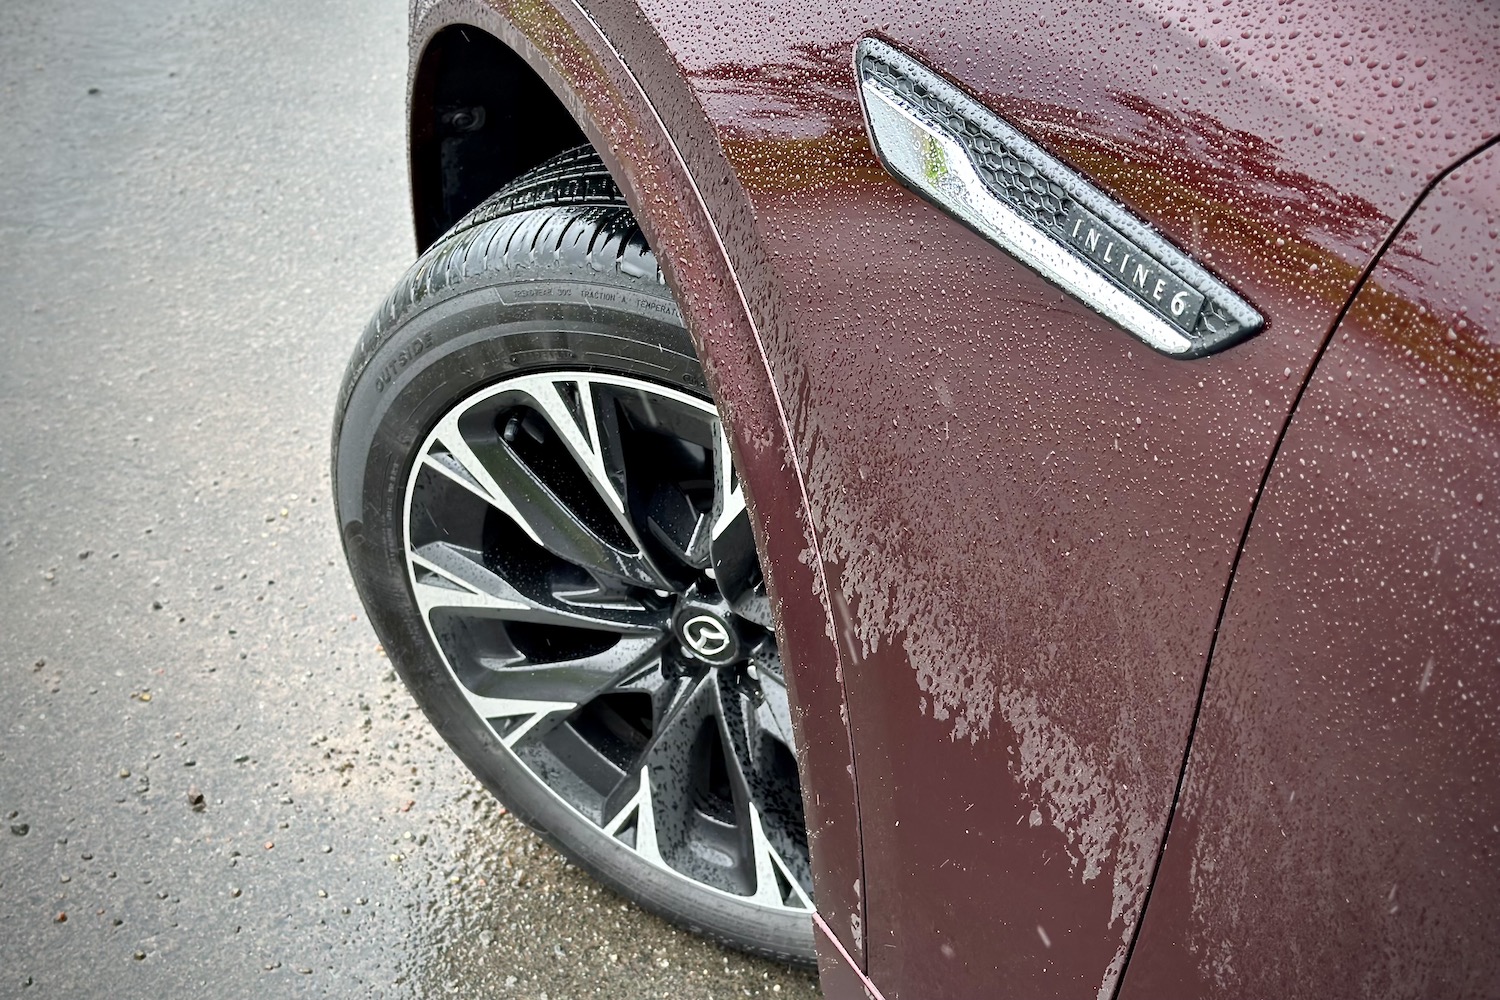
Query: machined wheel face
[{"x": 578, "y": 547}]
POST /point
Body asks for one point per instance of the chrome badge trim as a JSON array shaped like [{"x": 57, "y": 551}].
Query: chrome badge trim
[{"x": 963, "y": 157}]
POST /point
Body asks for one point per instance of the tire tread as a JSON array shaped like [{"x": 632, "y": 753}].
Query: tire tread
[{"x": 567, "y": 213}]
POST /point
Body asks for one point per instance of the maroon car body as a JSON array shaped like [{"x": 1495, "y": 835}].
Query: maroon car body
[{"x": 1113, "y": 673}]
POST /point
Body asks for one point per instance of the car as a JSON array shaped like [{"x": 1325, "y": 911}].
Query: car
[{"x": 997, "y": 501}]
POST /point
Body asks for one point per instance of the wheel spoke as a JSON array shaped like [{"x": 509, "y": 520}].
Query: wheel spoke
[
  {"x": 591, "y": 433},
  {"x": 667, "y": 761},
  {"x": 744, "y": 781},
  {"x": 639, "y": 810},
  {"x": 649, "y": 800},
  {"x": 526, "y": 714},
  {"x": 729, "y": 496},
  {"x": 577, "y": 680},
  {"x": 732, "y": 544},
  {"x": 688, "y": 704},
  {"x": 459, "y": 463},
  {"x": 484, "y": 463},
  {"x": 746, "y": 724},
  {"x": 668, "y": 696},
  {"x": 570, "y": 407},
  {"x": 682, "y": 530},
  {"x": 772, "y": 871},
  {"x": 458, "y": 579},
  {"x": 543, "y": 694}
]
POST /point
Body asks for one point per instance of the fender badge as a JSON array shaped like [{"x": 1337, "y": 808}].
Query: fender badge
[{"x": 956, "y": 153}]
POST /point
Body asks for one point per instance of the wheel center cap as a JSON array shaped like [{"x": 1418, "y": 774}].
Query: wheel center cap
[{"x": 706, "y": 633}]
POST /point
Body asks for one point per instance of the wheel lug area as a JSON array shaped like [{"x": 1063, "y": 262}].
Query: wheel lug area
[
  {"x": 709, "y": 631},
  {"x": 707, "y": 628}
]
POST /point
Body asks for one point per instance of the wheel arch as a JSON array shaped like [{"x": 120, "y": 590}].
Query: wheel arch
[{"x": 479, "y": 117}]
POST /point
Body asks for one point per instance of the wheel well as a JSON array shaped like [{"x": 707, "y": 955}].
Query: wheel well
[{"x": 480, "y": 117}]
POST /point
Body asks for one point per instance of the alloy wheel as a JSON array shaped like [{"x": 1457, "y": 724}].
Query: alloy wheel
[{"x": 578, "y": 546}]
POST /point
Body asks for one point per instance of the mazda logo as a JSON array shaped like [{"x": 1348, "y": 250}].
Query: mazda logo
[{"x": 705, "y": 635}]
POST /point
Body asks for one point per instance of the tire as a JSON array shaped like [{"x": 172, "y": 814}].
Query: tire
[{"x": 546, "y": 302}]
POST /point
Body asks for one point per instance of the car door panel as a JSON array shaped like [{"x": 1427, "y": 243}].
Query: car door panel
[{"x": 1341, "y": 813}]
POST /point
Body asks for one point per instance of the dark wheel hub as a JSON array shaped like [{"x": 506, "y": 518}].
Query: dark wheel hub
[
  {"x": 709, "y": 631},
  {"x": 580, "y": 551}
]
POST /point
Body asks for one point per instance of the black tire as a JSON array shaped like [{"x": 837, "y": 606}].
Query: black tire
[{"x": 550, "y": 272}]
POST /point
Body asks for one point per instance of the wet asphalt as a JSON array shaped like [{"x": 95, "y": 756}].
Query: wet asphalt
[{"x": 211, "y": 783}]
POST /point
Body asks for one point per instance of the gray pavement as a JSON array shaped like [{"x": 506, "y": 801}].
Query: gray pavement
[{"x": 211, "y": 784}]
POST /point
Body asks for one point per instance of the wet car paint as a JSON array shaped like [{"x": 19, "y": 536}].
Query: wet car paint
[
  {"x": 1341, "y": 814},
  {"x": 1026, "y": 521},
  {"x": 1021, "y": 522}
]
